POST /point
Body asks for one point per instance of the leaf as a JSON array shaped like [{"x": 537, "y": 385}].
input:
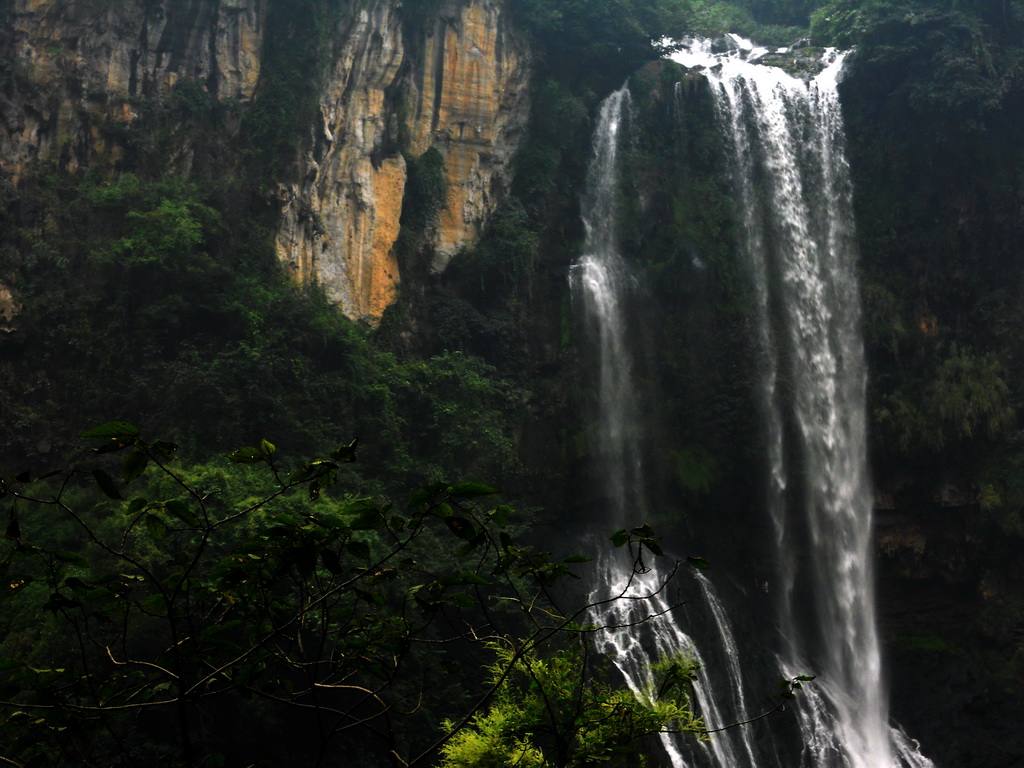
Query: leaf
[
  {"x": 136, "y": 505},
  {"x": 14, "y": 585},
  {"x": 157, "y": 528},
  {"x": 461, "y": 527},
  {"x": 111, "y": 445},
  {"x": 500, "y": 515},
  {"x": 384, "y": 574},
  {"x": 698, "y": 562},
  {"x": 420, "y": 499},
  {"x": 106, "y": 484},
  {"x": 359, "y": 549},
  {"x": 67, "y": 556},
  {"x": 346, "y": 454},
  {"x": 301, "y": 475},
  {"x": 331, "y": 561},
  {"x": 619, "y": 538},
  {"x": 654, "y": 547},
  {"x": 358, "y": 506},
  {"x": 77, "y": 585},
  {"x": 112, "y": 429},
  {"x": 164, "y": 448},
  {"x": 268, "y": 448},
  {"x": 134, "y": 466},
  {"x": 575, "y": 559},
  {"x": 471, "y": 490},
  {"x": 248, "y": 455},
  {"x": 369, "y": 520},
  {"x": 475, "y": 579},
  {"x": 181, "y": 510},
  {"x": 461, "y": 600},
  {"x": 57, "y": 601}
]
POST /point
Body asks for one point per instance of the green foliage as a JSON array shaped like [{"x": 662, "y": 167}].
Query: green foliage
[
  {"x": 696, "y": 468},
  {"x": 503, "y": 262},
  {"x": 600, "y": 41},
  {"x": 786, "y": 13},
  {"x": 767, "y": 22},
  {"x": 293, "y": 63},
  {"x": 137, "y": 296},
  {"x": 969, "y": 396},
  {"x": 555, "y": 711},
  {"x": 928, "y": 645},
  {"x": 250, "y": 612},
  {"x": 426, "y": 191}
]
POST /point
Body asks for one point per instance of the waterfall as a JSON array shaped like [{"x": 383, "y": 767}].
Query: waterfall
[
  {"x": 606, "y": 288},
  {"x": 794, "y": 202}
]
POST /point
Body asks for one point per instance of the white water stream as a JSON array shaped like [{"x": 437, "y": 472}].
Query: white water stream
[{"x": 794, "y": 201}]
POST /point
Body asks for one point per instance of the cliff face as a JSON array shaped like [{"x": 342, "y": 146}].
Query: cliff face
[
  {"x": 340, "y": 219},
  {"x": 80, "y": 67},
  {"x": 455, "y": 80},
  {"x": 459, "y": 84},
  {"x": 469, "y": 101}
]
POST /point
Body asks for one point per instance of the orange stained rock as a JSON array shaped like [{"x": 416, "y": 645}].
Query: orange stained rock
[{"x": 473, "y": 70}]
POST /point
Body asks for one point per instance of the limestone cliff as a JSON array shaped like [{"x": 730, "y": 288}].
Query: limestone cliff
[
  {"x": 79, "y": 67},
  {"x": 340, "y": 220},
  {"x": 461, "y": 79},
  {"x": 81, "y": 75},
  {"x": 469, "y": 101}
]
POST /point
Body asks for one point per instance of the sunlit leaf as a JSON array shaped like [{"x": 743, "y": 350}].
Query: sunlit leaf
[
  {"x": 470, "y": 490},
  {"x": 247, "y": 455},
  {"x": 112, "y": 429}
]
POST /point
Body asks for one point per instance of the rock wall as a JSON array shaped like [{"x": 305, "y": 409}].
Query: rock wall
[
  {"x": 469, "y": 101},
  {"x": 78, "y": 66},
  {"x": 340, "y": 220},
  {"x": 461, "y": 80},
  {"x": 455, "y": 79}
]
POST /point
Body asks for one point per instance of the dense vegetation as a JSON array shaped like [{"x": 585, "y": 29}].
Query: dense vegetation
[{"x": 267, "y": 620}]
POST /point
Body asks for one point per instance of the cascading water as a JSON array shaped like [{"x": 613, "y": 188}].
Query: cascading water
[
  {"x": 606, "y": 287},
  {"x": 794, "y": 199},
  {"x": 799, "y": 241}
]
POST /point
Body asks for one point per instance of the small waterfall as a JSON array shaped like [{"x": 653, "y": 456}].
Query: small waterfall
[{"x": 606, "y": 287}]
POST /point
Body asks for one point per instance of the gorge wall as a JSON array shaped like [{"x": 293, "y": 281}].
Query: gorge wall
[{"x": 454, "y": 79}]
